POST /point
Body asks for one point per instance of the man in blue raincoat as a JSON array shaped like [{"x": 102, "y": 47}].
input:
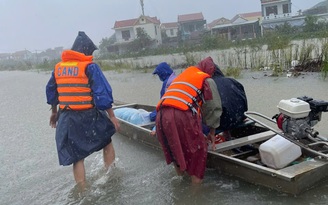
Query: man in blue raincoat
[
  {"x": 85, "y": 122},
  {"x": 166, "y": 75}
]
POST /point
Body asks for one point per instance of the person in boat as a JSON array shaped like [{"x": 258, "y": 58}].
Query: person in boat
[
  {"x": 85, "y": 122},
  {"x": 233, "y": 100},
  {"x": 166, "y": 75},
  {"x": 191, "y": 98}
]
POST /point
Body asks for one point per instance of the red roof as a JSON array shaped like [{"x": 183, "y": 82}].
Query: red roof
[
  {"x": 21, "y": 53},
  {"x": 251, "y": 15},
  {"x": 248, "y": 16},
  {"x": 125, "y": 23},
  {"x": 270, "y": 1},
  {"x": 190, "y": 17},
  {"x": 219, "y": 21},
  {"x": 133, "y": 22},
  {"x": 170, "y": 25},
  {"x": 3, "y": 55}
]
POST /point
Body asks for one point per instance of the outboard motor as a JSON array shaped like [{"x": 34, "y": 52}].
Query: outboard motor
[{"x": 298, "y": 115}]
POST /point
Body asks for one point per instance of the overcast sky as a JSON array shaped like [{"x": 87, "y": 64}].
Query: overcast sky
[{"x": 36, "y": 25}]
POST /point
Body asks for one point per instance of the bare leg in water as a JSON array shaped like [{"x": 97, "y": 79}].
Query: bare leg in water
[
  {"x": 109, "y": 155},
  {"x": 79, "y": 169},
  {"x": 79, "y": 172},
  {"x": 196, "y": 180}
]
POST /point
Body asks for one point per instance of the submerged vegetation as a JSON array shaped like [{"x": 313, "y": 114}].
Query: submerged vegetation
[{"x": 277, "y": 50}]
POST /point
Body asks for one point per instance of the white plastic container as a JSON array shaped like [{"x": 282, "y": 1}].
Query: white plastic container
[
  {"x": 278, "y": 152},
  {"x": 294, "y": 108}
]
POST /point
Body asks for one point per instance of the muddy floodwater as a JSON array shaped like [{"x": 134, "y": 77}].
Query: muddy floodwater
[{"x": 30, "y": 173}]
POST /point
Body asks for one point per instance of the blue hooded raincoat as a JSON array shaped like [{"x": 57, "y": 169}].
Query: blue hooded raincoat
[
  {"x": 166, "y": 75},
  {"x": 79, "y": 133}
]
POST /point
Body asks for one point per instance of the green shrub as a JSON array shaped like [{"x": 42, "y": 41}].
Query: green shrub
[{"x": 232, "y": 72}]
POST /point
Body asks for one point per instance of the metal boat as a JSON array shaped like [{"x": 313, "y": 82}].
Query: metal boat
[{"x": 239, "y": 156}]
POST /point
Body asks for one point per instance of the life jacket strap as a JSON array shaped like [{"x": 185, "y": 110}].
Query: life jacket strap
[
  {"x": 74, "y": 94},
  {"x": 186, "y": 93},
  {"x": 191, "y": 107},
  {"x": 190, "y": 85},
  {"x": 75, "y": 103},
  {"x": 74, "y": 85}
]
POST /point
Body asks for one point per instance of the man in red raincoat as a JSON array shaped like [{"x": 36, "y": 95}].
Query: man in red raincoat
[{"x": 192, "y": 98}]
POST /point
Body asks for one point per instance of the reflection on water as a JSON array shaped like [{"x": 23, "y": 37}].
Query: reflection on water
[{"x": 30, "y": 173}]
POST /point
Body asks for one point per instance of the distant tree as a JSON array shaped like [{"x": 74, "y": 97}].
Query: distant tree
[
  {"x": 276, "y": 41},
  {"x": 311, "y": 24},
  {"x": 104, "y": 43},
  {"x": 210, "y": 42},
  {"x": 142, "y": 42},
  {"x": 180, "y": 40},
  {"x": 143, "y": 38},
  {"x": 165, "y": 38},
  {"x": 286, "y": 28}
]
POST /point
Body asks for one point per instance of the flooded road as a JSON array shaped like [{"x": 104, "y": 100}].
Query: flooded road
[{"x": 30, "y": 174}]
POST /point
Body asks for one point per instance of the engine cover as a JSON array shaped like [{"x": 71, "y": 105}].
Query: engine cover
[{"x": 294, "y": 108}]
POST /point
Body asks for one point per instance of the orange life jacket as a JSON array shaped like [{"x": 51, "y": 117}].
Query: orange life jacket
[
  {"x": 185, "y": 90},
  {"x": 73, "y": 85}
]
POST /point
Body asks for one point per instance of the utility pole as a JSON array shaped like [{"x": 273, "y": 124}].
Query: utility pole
[
  {"x": 36, "y": 56},
  {"x": 142, "y": 7}
]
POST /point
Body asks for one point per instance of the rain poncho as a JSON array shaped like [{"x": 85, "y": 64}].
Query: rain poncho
[
  {"x": 83, "y": 44},
  {"x": 80, "y": 133},
  {"x": 180, "y": 132},
  {"x": 211, "y": 110},
  {"x": 233, "y": 99},
  {"x": 166, "y": 75}
]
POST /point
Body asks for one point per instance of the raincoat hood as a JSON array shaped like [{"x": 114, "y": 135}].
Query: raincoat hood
[
  {"x": 83, "y": 44},
  {"x": 218, "y": 71},
  {"x": 163, "y": 70},
  {"x": 70, "y": 55},
  {"x": 207, "y": 66}
]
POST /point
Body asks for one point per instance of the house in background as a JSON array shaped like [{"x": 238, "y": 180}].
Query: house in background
[
  {"x": 170, "y": 33},
  {"x": 278, "y": 12},
  {"x": 240, "y": 27},
  {"x": 49, "y": 54},
  {"x": 275, "y": 9},
  {"x": 22, "y": 55},
  {"x": 170, "y": 29},
  {"x": 37, "y": 56},
  {"x": 126, "y": 32},
  {"x": 188, "y": 28},
  {"x": 191, "y": 26},
  {"x": 217, "y": 22},
  {"x": 5, "y": 56}
]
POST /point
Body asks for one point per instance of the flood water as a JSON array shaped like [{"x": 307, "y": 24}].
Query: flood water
[{"x": 30, "y": 174}]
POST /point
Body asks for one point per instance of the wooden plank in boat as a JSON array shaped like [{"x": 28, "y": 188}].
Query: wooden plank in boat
[{"x": 244, "y": 141}]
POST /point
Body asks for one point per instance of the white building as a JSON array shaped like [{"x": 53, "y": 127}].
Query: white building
[
  {"x": 170, "y": 29},
  {"x": 126, "y": 30}
]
